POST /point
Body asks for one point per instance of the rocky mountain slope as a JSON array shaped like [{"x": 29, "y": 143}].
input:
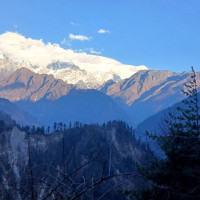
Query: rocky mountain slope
[
  {"x": 20, "y": 116},
  {"x": 35, "y": 164},
  {"x": 156, "y": 124},
  {"x": 133, "y": 99},
  {"x": 86, "y": 106},
  {"x": 24, "y": 84},
  {"x": 56, "y": 101},
  {"x": 133, "y": 88},
  {"x": 149, "y": 91},
  {"x": 84, "y": 70}
]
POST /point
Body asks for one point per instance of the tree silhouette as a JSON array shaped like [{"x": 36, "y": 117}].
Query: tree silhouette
[
  {"x": 55, "y": 126},
  {"x": 177, "y": 176}
]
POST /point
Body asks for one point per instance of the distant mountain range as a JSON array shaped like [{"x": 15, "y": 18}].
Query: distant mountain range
[
  {"x": 156, "y": 122},
  {"x": 148, "y": 92},
  {"x": 86, "y": 106},
  {"x": 21, "y": 117},
  {"x": 24, "y": 84},
  {"x": 83, "y": 70},
  {"x": 54, "y": 79},
  {"x": 53, "y": 100},
  {"x": 132, "y": 100},
  {"x": 156, "y": 125}
]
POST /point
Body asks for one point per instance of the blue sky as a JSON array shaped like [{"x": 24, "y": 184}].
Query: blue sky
[{"x": 161, "y": 34}]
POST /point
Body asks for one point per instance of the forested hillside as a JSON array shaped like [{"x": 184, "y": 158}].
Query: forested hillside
[{"x": 79, "y": 162}]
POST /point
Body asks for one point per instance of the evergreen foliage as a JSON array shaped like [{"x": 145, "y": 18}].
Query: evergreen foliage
[
  {"x": 177, "y": 176},
  {"x": 6, "y": 122},
  {"x": 33, "y": 129},
  {"x": 80, "y": 162}
]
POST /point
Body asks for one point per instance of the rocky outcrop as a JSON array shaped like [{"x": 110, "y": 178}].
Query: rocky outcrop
[
  {"x": 148, "y": 92},
  {"x": 131, "y": 89},
  {"x": 24, "y": 84},
  {"x": 36, "y": 164},
  {"x": 136, "y": 98}
]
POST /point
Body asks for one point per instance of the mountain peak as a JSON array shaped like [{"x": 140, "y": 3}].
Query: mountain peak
[
  {"x": 139, "y": 83},
  {"x": 23, "y": 70},
  {"x": 82, "y": 69},
  {"x": 24, "y": 84},
  {"x": 152, "y": 75}
]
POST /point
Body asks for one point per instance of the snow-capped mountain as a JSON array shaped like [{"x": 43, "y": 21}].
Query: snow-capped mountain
[
  {"x": 84, "y": 70},
  {"x": 6, "y": 66},
  {"x": 72, "y": 74}
]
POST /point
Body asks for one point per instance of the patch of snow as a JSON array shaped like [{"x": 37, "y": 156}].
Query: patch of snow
[{"x": 64, "y": 64}]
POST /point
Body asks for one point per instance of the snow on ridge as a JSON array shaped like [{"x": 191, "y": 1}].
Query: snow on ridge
[
  {"x": 36, "y": 52},
  {"x": 91, "y": 71}
]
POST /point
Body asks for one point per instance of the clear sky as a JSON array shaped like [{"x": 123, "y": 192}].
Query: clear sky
[{"x": 161, "y": 34}]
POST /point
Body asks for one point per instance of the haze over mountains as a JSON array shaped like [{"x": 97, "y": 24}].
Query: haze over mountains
[
  {"x": 54, "y": 102},
  {"x": 149, "y": 91},
  {"x": 21, "y": 117},
  {"x": 51, "y": 100},
  {"x": 99, "y": 100},
  {"x": 132, "y": 100},
  {"x": 51, "y": 84}
]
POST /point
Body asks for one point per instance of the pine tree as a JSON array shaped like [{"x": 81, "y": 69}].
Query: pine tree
[
  {"x": 177, "y": 176},
  {"x": 55, "y": 126}
]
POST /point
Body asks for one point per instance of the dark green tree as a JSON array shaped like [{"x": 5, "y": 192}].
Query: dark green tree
[
  {"x": 177, "y": 175},
  {"x": 2, "y": 126},
  {"x": 60, "y": 126},
  {"x": 48, "y": 129},
  {"x": 55, "y": 126},
  {"x": 33, "y": 129}
]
